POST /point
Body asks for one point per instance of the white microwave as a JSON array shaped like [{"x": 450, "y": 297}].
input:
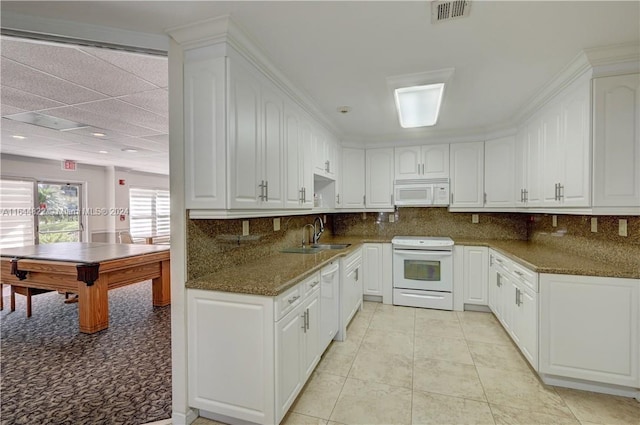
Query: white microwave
[{"x": 421, "y": 193}]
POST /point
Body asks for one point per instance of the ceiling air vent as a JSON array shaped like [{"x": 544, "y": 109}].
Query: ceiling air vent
[{"x": 443, "y": 10}]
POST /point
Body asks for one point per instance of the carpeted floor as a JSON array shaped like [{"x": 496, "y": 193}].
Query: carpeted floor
[{"x": 52, "y": 374}]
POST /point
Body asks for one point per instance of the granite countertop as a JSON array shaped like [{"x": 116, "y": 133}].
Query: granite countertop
[
  {"x": 272, "y": 275},
  {"x": 544, "y": 259}
]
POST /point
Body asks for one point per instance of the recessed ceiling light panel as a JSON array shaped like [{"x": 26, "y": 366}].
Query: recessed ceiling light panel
[
  {"x": 46, "y": 121},
  {"x": 17, "y": 136},
  {"x": 130, "y": 150},
  {"x": 419, "y": 106}
]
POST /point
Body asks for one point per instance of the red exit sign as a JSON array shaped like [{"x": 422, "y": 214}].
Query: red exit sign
[{"x": 69, "y": 165}]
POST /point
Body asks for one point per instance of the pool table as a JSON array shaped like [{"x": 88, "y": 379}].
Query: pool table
[{"x": 89, "y": 270}]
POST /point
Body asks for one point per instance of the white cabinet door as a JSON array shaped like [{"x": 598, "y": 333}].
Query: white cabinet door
[
  {"x": 476, "y": 273},
  {"x": 616, "y": 141},
  {"x": 272, "y": 147},
  {"x": 372, "y": 269},
  {"x": 422, "y": 162},
  {"x": 534, "y": 163},
  {"x": 527, "y": 323},
  {"x": 590, "y": 328},
  {"x": 521, "y": 165},
  {"x": 293, "y": 158},
  {"x": 435, "y": 161},
  {"x": 353, "y": 178},
  {"x": 244, "y": 351},
  {"x": 467, "y": 175},
  {"x": 311, "y": 334},
  {"x": 205, "y": 133},
  {"x": 575, "y": 169},
  {"x": 408, "y": 163},
  {"x": 499, "y": 172},
  {"x": 319, "y": 154},
  {"x": 289, "y": 358},
  {"x": 331, "y": 151},
  {"x": 351, "y": 290},
  {"x": 379, "y": 178},
  {"x": 551, "y": 156},
  {"x": 244, "y": 138},
  {"x": 329, "y": 303},
  {"x": 307, "y": 163}
]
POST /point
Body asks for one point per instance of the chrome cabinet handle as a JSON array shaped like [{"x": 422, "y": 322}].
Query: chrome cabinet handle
[
  {"x": 357, "y": 274},
  {"x": 266, "y": 191},
  {"x": 262, "y": 187},
  {"x": 560, "y": 191},
  {"x": 498, "y": 282},
  {"x": 526, "y": 195},
  {"x": 304, "y": 322},
  {"x": 327, "y": 165},
  {"x": 338, "y": 196},
  {"x": 485, "y": 198},
  {"x": 314, "y": 284},
  {"x": 519, "y": 273},
  {"x": 293, "y": 299}
]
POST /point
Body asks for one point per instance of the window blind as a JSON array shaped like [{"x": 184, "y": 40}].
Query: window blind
[
  {"x": 17, "y": 218},
  {"x": 149, "y": 212}
]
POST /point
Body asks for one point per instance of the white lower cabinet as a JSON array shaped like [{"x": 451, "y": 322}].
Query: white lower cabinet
[
  {"x": 377, "y": 271},
  {"x": 590, "y": 330},
  {"x": 475, "y": 274},
  {"x": 249, "y": 356},
  {"x": 513, "y": 298},
  {"x": 351, "y": 290}
]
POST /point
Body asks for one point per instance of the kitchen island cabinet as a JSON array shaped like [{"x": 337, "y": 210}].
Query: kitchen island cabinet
[{"x": 249, "y": 356}]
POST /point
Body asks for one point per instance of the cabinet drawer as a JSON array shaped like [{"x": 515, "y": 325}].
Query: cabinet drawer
[
  {"x": 310, "y": 284},
  {"x": 287, "y": 301},
  {"x": 500, "y": 261},
  {"x": 352, "y": 261},
  {"x": 524, "y": 275}
]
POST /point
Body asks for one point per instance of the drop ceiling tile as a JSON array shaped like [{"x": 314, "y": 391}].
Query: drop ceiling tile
[
  {"x": 143, "y": 144},
  {"x": 10, "y": 110},
  {"x": 160, "y": 138},
  {"x": 72, "y": 64},
  {"x": 26, "y": 101},
  {"x": 116, "y": 109},
  {"x": 151, "y": 68},
  {"x": 88, "y": 132},
  {"x": 17, "y": 127},
  {"x": 32, "y": 142},
  {"x": 102, "y": 121},
  {"x": 153, "y": 100},
  {"x": 23, "y": 78}
]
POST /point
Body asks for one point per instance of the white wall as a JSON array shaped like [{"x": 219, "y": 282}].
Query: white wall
[{"x": 100, "y": 187}]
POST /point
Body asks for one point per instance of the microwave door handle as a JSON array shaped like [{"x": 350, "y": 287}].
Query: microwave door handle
[{"x": 424, "y": 253}]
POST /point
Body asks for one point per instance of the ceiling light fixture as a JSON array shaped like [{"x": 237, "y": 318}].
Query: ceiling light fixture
[
  {"x": 17, "y": 136},
  {"x": 130, "y": 150},
  {"x": 98, "y": 134},
  {"x": 419, "y": 106},
  {"x": 103, "y": 151},
  {"x": 418, "y": 97}
]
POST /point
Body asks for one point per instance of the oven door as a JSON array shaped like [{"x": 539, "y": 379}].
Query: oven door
[{"x": 423, "y": 270}]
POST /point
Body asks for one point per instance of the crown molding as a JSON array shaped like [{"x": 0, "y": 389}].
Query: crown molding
[
  {"x": 223, "y": 29},
  {"x": 83, "y": 33}
]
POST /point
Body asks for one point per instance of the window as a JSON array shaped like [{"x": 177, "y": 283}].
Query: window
[
  {"x": 17, "y": 221},
  {"x": 149, "y": 212}
]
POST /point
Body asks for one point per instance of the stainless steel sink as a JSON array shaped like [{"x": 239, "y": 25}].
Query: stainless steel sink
[
  {"x": 301, "y": 250},
  {"x": 330, "y": 245},
  {"x": 315, "y": 248}
]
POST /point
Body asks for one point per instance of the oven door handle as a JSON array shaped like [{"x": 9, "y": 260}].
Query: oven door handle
[
  {"x": 423, "y": 252},
  {"x": 430, "y": 297}
]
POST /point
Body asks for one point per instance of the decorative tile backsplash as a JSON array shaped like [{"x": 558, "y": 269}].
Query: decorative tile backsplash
[
  {"x": 431, "y": 222},
  {"x": 216, "y": 244},
  {"x": 573, "y": 233}
]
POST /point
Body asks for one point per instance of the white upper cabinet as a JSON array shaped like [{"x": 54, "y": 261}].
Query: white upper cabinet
[
  {"x": 325, "y": 149},
  {"x": 256, "y": 140},
  {"x": 616, "y": 143},
  {"x": 353, "y": 177},
  {"x": 379, "y": 178},
  {"x": 520, "y": 167},
  {"x": 297, "y": 159},
  {"x": 422, "y": 162},
  {"x": 467, "y": 175},
  {"x": 499, "y": 176},
  {"x": 551, "y": 156},
  {"x": 575, "y": 169},
  {"x": 204, "y": 132}
]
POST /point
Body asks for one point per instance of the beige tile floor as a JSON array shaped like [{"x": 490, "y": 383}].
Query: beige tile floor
[{"x": 403, "y": 365}]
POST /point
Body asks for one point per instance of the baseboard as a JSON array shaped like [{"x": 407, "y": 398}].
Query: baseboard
[
  {"x": 373, "y": 298},
  {"x": 596, "y": 387},
  {"x": 184, "y": 418},
  {"x": 224, "y": 419},
  {"x": 475, "y": 307}
]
